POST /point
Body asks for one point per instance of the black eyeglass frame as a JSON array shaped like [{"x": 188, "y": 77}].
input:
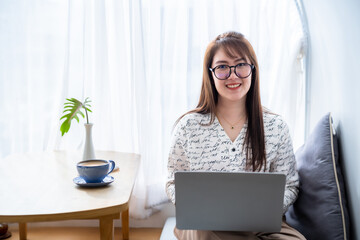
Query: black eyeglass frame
[{"x": 230, "y": 67}]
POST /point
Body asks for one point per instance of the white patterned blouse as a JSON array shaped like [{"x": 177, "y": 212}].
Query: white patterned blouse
[{"x": 196, "y": 147}]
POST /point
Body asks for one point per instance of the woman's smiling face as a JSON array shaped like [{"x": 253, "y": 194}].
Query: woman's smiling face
[{"x": 233, "y": 88}]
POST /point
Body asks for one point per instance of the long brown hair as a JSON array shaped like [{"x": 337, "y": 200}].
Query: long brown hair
[{"x": 236, "y": 44}]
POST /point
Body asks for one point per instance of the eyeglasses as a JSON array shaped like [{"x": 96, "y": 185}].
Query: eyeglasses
[{"x": 223, "y": 72}]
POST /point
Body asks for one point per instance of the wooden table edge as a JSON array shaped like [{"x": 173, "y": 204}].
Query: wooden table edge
[
  {"x": 105, "y": 220},
  {"x": 85, "y": 214}
]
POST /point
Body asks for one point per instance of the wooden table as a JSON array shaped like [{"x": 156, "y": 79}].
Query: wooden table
[{"x": 39, "y": 187}]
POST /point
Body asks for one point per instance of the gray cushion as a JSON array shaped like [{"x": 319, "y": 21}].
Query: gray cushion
[{"x": 320, "y": 212}]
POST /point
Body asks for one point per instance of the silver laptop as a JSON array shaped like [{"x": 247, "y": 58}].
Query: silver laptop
[{"x": 229, "y": 201}]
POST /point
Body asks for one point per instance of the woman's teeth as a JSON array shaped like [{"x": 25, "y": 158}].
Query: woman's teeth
[{"x": 233, "y": 85}]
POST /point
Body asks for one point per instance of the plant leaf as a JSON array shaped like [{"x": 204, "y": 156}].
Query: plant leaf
[
  {"x": 72, "y": 110},
  {"x": 76, "y": 117},
  {"x": 82, "y": 114}
]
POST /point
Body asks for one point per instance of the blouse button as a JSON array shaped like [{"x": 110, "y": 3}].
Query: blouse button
[{"x": 233, "y": 149}]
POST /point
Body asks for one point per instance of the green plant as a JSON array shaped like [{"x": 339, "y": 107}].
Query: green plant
[{"x": 73, "y": 108}]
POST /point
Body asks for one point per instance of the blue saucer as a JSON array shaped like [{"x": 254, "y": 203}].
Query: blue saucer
[{"x": 81, "y": 182}]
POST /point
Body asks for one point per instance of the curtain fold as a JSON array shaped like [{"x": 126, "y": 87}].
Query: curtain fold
[{"x": 140, "y": 62}]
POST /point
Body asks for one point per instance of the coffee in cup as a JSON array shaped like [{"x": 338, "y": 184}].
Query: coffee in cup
[{"x": 95, "y": 170}]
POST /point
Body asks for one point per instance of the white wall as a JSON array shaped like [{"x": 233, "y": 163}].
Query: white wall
[{"x": 335, "y": 83}]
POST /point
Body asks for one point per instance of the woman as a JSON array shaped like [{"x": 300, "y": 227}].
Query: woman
[{"x": 230, "y": 131}]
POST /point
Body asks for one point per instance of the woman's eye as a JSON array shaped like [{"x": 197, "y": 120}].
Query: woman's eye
[{"x": 222, "y": 66}]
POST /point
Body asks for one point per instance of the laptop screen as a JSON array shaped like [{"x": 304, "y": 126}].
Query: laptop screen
[{"x": 229, "y": 201}]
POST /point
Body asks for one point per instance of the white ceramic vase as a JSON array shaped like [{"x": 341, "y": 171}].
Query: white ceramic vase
[{"x": 89, "y": 152}]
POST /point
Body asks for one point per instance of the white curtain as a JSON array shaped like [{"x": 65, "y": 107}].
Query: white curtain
[{"x": 140, "y": 62}]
